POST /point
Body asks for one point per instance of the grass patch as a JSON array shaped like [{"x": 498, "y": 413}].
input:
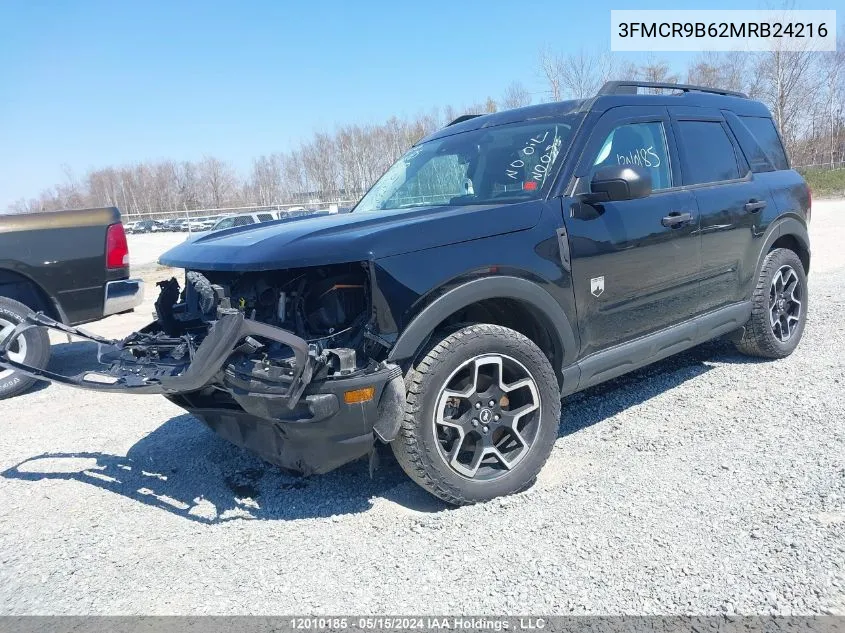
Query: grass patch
[{"x": 825, "y": 183}]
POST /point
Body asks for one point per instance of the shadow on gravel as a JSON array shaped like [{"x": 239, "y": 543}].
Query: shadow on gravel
[
  {"x": 591, "y": 406},
  {"x": 184, "y": 468}
]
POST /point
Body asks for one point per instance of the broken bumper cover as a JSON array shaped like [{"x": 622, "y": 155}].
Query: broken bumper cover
[
  {"x": 194, "y": 374},
  {"x": 294, "y": 421}
]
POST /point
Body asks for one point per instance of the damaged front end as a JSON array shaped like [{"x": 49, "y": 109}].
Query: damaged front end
[{"x": 278, "y": 362}]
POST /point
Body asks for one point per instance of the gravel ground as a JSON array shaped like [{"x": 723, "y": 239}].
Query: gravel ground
[{"x": 708, "y": 483}]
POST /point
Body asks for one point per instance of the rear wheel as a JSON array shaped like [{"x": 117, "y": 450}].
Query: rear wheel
[
  {"x": 32, "y": 348},
  {"x": 481, "y": 416},
  {"x": 778, "y": 309}
]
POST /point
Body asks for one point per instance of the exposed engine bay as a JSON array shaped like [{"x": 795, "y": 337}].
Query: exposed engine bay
[
  {"x": 319, "y": 312},
  {"x": 324, "y": 306}
]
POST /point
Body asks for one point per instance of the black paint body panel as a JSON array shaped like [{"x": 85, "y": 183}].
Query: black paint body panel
[{"x": 61, "y": 258}]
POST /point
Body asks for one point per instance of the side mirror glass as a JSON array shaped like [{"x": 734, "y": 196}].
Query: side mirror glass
[{"x": 619, "y": 182}]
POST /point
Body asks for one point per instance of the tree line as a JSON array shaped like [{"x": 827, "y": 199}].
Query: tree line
[{"x": 804, "y": 90}]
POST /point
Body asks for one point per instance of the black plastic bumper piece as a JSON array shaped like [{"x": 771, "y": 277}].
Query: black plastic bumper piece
[
  {"x": 319, "y": 434},
  {"x": 208, "y": 360}
]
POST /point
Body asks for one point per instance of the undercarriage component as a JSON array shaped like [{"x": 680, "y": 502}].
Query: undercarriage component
[{"x": 146, "y": 375}]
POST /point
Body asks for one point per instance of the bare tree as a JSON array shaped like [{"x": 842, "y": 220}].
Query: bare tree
[
  {"x": 551, "y": 69},
  {"x": 785, "y": 78},
  {"x": 516, "y": 96},
  {"x": 805, "y": 92},
  {"x": 729, "y": 71},
  {"x": 583, "y": 73},
  {"x": 218, "y": 182},
  {"x": 656, "y": 70}
]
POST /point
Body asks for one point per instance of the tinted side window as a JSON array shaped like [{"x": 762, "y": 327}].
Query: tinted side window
[
  {"x": 707, "y": 154},
  {"x": 767, "y": 137},
  {"x": 642, "y": 144},
  {"x": 265, "y": 217},
  {"x": 243, "y": 220}
]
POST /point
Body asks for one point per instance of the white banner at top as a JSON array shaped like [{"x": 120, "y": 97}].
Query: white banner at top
[{"x": 722, "y": 30}]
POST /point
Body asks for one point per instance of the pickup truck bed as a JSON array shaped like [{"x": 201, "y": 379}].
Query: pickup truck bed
[{"x": 71, "y": 265}]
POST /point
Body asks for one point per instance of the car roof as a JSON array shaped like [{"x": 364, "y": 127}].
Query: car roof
[{"x": 611, "y": 95}]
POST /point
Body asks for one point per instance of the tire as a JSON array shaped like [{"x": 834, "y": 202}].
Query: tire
[
  {"x": 762, "y": 336},
  {"x": 36, "y": 352},
  {"x": 470, "y": 360}
]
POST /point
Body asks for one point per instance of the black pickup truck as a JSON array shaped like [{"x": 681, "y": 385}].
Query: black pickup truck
[
  {"x": 71, "y": 266},
  {"x": 503, "y": 262}
]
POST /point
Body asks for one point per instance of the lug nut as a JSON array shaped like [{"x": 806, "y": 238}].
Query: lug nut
[
  {"x": 485, "y": 428},
  {"x": 477, "y": 405},
  {"x": 474, "y": 422},
  {"x": 496, "y": 417},
  {"x": 492, "y": 403}
]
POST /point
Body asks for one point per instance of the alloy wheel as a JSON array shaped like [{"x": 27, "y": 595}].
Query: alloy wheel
[
  {"x": 487, "y": 416},
  {"x": 17, "y": 352},
  {"x": 785, "y": 296}
]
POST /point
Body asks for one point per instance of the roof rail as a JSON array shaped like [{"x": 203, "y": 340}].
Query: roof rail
[
  {"x": 629, "y": 87},
  {"x": 462, "y": 118}
]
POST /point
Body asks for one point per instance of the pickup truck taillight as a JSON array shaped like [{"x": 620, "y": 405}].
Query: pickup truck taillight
[{"x": 117, "y": 250}]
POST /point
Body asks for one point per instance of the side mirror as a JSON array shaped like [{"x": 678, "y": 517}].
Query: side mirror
[{"x": 619, "y": 182}]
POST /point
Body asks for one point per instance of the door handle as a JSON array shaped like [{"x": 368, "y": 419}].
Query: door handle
[
  {"x": 753, "y": 206},
  {"x": 676, "y": 219}
]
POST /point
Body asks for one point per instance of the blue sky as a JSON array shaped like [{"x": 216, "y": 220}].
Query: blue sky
[{"x": 96, "y": 83}]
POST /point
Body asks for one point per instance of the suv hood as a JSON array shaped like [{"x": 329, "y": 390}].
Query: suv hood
[{"x": 347, "y": 237}]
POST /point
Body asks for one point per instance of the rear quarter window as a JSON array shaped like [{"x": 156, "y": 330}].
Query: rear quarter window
[
  {"x": 707, "y": 154},
  {"x": 265, "y": 217},
  {"x": 764, "y": 132}
]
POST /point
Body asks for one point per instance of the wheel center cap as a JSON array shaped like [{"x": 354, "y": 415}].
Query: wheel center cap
[{"x": 485, "y": 415}]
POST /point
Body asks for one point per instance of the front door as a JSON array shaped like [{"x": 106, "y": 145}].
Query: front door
[{"x": 635, "y": 263}]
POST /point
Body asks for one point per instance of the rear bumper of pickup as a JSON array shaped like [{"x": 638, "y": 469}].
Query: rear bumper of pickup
[{"x": 122, "y": 296}]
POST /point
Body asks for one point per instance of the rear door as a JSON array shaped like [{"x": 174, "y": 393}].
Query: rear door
[
  {"x": 729, "y": 199},
  {"x": 635, "y": 263}
]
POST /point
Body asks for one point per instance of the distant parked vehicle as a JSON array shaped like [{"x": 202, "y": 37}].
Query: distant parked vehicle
[
  {"x": 202, "y": 224},
  {"x": 129, "y": 227},
  {"x": 295, "y": 212},
  {"x": 147, "y": 226},
  {"x": 172, "y": 224},
  {"x": 243, "y": 219}
]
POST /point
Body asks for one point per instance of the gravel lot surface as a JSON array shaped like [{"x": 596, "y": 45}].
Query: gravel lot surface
[{"x": 708, "y": 483}]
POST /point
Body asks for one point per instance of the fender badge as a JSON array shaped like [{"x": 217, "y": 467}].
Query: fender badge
[{"x": 597, "y": 285}]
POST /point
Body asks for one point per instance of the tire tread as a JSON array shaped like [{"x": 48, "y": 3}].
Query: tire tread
[
  {"x": 408, "y": 450},
  {"x": 758, "y": 339}
]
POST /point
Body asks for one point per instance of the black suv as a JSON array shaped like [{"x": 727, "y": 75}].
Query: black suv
[{"x": 503, "y": 262}]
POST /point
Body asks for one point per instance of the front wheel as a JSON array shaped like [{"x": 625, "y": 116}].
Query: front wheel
[{"x": 481, "y": 416}]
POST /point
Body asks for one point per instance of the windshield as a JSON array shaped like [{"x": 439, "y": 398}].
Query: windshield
[{"x": 496, "y": 165}]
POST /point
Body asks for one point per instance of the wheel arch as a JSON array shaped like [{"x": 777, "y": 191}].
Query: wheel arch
[
  {"x": 17, "y": 286},
  {"x": 508, "y": 301},
  {"x": 787, "y": 233}
]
